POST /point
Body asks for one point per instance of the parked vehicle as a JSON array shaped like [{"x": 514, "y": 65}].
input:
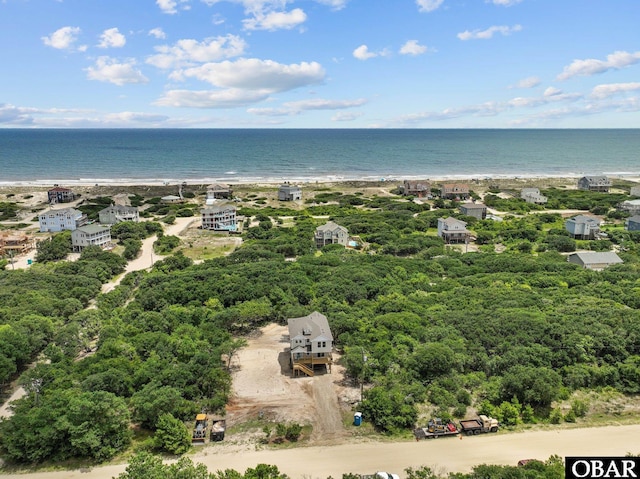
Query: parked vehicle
[
  {"x": 218, "y": 427},
  {"x": 479, "y": 425},
  {"x": 199, "y": 434},
  {"x": 436, "y": 428}
]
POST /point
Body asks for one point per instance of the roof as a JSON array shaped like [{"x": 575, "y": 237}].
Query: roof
[
  {"x": 473, "y": 206},
  {"x": 331, "y": 227},
  {"x": 455, "y": 185},
  {"x": 592, "y": 257},
  {"x": 62, "y": 211},
  {"x": 217, "y": 208},
  {"x": 218, "y": 186},
  {"x": 634, "y": 219},
  {"x": 93, "y": 228},
  {"x": 596, "y": 179},
  {"x": 59, "y": 188},
  {"x": 631, "y": 203},
  {"x": 171, "y": 197},
  {"x": 313, "y": 325},
  {"x": 584, "y": 219},
  {"x": 119, "y": 208},
  {"x": 450, "y": 221},
  {"x": 290, "y": 187}
]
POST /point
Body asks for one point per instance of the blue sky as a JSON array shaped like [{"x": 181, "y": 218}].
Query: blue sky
[{"x": 320, "y": 63}]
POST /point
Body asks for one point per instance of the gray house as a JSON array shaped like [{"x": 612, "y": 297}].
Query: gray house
[
  {"x": 288, "y": 192},
  {"x": 331, "y": 233},
  {"x": 594, "y": 183},
  {"x": 630, "y": 206},
  {"x": 90, "y": 235},
  {"x": 219, "y": 217},
  {"x": 452, "y": 230},
  {"x": 60, "y": 195},
  {"x": 533, "y": 195},
  {"x": 477, "y": 210},
  {"x": 633, "y": 223},
  {"x": 311, "y": 343},
  {"x": 218, "y": 191},
  {"x": 596, "y": 261},
  {"x": 118, "y": 213},
  {"x": 635, "y": 191},
  {"x": 455, "y": 191},
  {"x": 583, "y": 227}
]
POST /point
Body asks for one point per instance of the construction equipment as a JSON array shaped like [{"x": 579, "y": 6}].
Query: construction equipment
[
  {"x": 199, "y": 435},
  {"x": 218, "y": 427},
  {"x": 436, "y": 428}
]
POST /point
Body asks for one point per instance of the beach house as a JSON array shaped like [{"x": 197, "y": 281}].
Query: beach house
[
  {"x": 454, "y": 191},
  {"x": 218, "y": 191},
  {"x": 14, "y": 243},
  {"x": 594, "y": 183},
  {"x": 633, "y": 223},
  {"x": 331, "y": 233},
  {"x": 477, "y": 210},
  {"x": 90, "y": 235},
  {"x": 630, "y": 206},
  {"x": 583, "y": 227},
  {"x": 596, "y": 261},
  {"x": 417, "y": 188},
  {"x": 635, "y": 191},
  {"x": 310, "y": 343},
  {"x": 219, "y": 217},
  {"x": 533, "y": 195},
  {"x": 60, "y": 195},
  {"x": 452, "y": 230},
  {"x": 289, "y": 192},
  {"x": 117, "y": 213},
  {"x": 63, "y": 219}
]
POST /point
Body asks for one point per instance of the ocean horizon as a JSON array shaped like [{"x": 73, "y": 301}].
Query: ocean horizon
[{"x": 149, "y": 156}]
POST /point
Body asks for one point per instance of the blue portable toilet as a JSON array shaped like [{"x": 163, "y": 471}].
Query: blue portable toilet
[
  {"x": 357, "y": 419},
  {"x": 29, "y": 261}
]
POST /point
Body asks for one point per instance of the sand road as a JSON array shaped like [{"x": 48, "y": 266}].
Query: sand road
[{"x": 443, "y": 455}]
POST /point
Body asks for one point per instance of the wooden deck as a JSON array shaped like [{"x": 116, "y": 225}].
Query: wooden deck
[{"x": 306, "y": 365}]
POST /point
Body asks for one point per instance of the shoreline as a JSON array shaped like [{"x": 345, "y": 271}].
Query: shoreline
[{"x": 270, "y": 181}]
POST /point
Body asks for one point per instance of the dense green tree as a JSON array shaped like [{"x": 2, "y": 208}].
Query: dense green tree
[{"x": 172, "y": 435}]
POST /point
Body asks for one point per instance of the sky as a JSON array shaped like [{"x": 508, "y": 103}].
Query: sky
[{"x": 319, "y": 63}]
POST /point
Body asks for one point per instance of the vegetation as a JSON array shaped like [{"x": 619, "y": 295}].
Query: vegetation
[{"x": 508, "y": 334}]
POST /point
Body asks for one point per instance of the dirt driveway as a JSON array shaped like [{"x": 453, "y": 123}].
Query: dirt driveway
[{"x": 263, "y": 387}]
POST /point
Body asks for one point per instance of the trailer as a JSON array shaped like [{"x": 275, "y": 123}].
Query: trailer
[
  {"x": 436, "y": 428},
  {"x": 218, "y": 427},
  {"x": 479, "y": 425}
]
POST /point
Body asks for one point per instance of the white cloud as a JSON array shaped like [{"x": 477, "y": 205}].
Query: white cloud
[
  {"x": 188, "y": 52},
  {"x": 170, "y": 7},
  {"x": 157, "y": 33},
  {"x": 229, "y": 98},
  {"x": 607, "y": 90},
  {"x": 528, "y": 82},
  {"x": 591, "y": 66},
  {"x": 13, "y": 115},
  {"x": 256, "y": 74},
  {"x": 504, "y": 3},
  {"x": 412, "y": 47},
  {"x": 134, "y": 117},
  {"x": 363, "y": 53},
  {"x": 428, "y": 5},
  {"x": 107, "y": 69},
  {"x": 489, "y": 32},
  {"x": 297, "y": 107},
  {"x": 63, "y": 38},
  {"x": 275, "y": 20},
  {"x": 346, "y": 116},
  {"x": 334, "y": 4},
  {"x": 112, "y": 38}
]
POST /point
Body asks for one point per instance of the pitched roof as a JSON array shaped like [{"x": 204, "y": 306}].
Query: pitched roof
[
  {"x": 93, "y": 228},
  {"x": 584, "y": 219},
  {"x": 593, "y": 257},
  {"x": 218, "y": 207},
  {"x": 473, "y": 206},
  {"x": 331, "y": 227},
  {"x": 313, "y": 326}
]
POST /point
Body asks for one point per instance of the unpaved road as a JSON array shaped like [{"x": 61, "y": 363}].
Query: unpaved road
[{"x": 443, "y": 455}]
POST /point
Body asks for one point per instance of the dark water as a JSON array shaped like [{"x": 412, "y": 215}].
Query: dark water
[{"x": 230, "y": 155}]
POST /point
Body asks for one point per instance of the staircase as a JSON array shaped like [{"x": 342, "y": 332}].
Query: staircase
[{"x": 301, "y": 367}]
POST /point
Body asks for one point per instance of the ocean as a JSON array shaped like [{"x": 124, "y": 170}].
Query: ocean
[{"x": 111, "y": 156}]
